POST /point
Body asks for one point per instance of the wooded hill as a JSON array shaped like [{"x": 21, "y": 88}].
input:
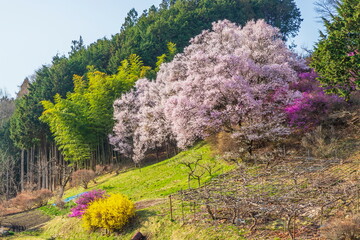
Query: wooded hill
[
  {"x": 30, "y": 156},
  {"x": 234, "y": 94}
]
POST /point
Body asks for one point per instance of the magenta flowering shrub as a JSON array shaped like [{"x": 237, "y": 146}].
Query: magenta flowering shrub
[
  {"x": 308, "y": 110},
  {"x": 314, "y": 104},
  {"x": 307, "y": 82},
  {"x": 84, "y": 200},
  {"x": 351, "y": 54}
]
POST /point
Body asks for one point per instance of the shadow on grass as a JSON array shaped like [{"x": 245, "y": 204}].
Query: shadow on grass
[
  {"x": 150, "y": 160},
  {"x": 137, "y": 222}
]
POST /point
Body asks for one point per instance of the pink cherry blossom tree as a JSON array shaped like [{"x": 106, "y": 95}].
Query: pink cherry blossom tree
[
  {"x": 141, "y": 124},
  {"x": 125, "y": 115},
  {"x": 153, "y": 131},
  {"x": 231, "y": 79}
]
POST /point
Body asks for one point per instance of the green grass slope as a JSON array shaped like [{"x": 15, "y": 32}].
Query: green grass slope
[
  {"x": 149, "y": 186},
  {"x": 160, "y": 179}
]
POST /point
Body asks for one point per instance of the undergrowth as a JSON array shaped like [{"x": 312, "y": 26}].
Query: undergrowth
[{"x": 52, "y": 210}]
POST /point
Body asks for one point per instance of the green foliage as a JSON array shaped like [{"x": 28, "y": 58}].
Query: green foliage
[
  {"x": 336, "y": 57},
  {"x": 110, "y": 213},
  {"x": 52, "y": 210},
  {"x": 160, "y": 179},
  {"x": 26, "y": 128},
  {"x": 172, "y": 50},
  {"x": 8, "y": 151},
  {"x": 24, "y": 123},
  {"x": 281, "y": 14},
  {"x": 178, "y": 21},
  {"x": 85, "y": 115}
]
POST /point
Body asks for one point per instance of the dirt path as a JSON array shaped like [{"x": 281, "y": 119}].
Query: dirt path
[{"x": 148, "y": 203}]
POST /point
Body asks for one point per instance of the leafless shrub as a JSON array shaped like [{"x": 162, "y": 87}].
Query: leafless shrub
[
  {"x": 197, "y": 168},
  {"x": 342, "y": 229},
  {"x": 229, "y": 148},
  {"x": 321, "y": 142},
  {"x": 5, "y": 209},
  {"x": 60, "y": 203},
  {"x": 23, "y": 201},
  {"x": 27, "y": 200},
  {"x": 109, "y": 168},
  {"x": 30, "y": 187},
  {"x": 42, "y": 197},
  {"x": 82, "y": 178},
  {"x": 2, "y": 210},
  {"x": 100, "y": 169},
  {"x": 355, "y": 99}
]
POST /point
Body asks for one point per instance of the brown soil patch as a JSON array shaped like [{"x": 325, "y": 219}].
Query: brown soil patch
[
  {"x": 24, "y": 220},
  {"x": 148, "y": 203}
]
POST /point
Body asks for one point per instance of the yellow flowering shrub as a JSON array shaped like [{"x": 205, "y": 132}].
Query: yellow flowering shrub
[{"x": 110, "y": 213}]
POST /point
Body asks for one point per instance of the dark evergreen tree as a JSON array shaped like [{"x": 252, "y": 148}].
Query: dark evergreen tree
[{"x": 337, "y": 55}]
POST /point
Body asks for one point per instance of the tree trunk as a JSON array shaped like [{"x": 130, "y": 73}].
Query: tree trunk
[
  {"x": 39, "y": 174},
  {"x": 22, "y": 170},
  {"x": 103, "y": 160},
  {"x": 31, "y": 165},
  {"x": 28, "y": 157},
  {"x": 46, "y": 163},
  {"x": 63, "y": 185},
  {"x": 7, "y": 193},
  {"x": 167, "y": 151}
]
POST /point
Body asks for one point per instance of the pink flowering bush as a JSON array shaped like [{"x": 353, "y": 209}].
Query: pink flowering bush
[
  {"x": 351, "y": 54},
  {"x": 313, "y": 106},
  {"x": 84, "y": 201}
]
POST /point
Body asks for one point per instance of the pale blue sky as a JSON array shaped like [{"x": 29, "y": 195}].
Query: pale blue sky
[{"x": 33, "y": 31}]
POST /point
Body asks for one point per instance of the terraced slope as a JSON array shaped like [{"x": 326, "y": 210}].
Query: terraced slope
[{"x": 24, "y": 220}]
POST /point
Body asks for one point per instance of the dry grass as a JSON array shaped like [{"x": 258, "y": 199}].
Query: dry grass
[{"x": 344, "y": 228}]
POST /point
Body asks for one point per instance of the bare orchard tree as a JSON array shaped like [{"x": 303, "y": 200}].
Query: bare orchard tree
[{"x": 295, "y": 194}]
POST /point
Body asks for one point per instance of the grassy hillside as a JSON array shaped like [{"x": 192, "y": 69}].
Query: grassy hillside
[
  {"x": 304, "y": 196},
  {"x": 149, "y": 187},
  {"x": 160, "y": 179}
]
